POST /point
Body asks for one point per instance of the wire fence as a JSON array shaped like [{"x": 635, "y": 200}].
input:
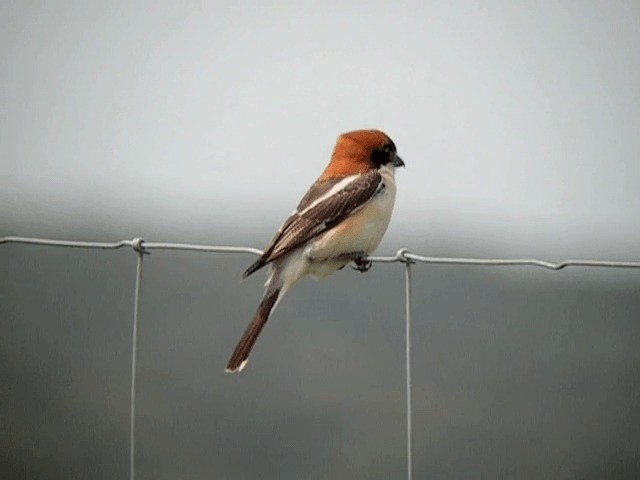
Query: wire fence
[{"x": 142, "y": 248}]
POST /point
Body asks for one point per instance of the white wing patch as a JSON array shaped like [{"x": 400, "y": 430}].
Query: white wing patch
[{"x": 335, "y": 189}]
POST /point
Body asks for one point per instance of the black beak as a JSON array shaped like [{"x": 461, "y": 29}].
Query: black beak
[{"x": 397, "y": 162}]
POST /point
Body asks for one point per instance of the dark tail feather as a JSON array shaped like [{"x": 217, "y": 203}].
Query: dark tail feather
[
  {"x": 258, "y": 264},
  {"x": 240, "y": 355}
]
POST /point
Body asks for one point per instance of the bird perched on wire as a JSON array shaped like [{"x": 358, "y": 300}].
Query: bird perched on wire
[{"x": 341, "y": 219}]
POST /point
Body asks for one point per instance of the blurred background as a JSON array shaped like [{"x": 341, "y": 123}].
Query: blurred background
[{"x": 205, "y": 123}]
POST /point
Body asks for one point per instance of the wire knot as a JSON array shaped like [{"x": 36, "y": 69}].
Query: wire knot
[
  {"x": 136, "y": 244},
  {"x": 401, "y": 255}
]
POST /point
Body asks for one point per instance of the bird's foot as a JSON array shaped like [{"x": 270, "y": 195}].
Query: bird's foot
[
  {"x": 359, "y": 259},
  {"x": 362, "y": 265}
]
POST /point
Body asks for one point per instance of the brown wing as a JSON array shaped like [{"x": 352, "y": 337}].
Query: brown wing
[{"x": 313, "y": 217}]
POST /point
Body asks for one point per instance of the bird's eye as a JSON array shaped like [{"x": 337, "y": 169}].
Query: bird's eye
[
  {"x": 381, "y": 155},
  {"x": 389, "y": 147}
]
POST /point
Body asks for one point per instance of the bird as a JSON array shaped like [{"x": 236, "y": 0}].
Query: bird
[{"x": 341, "y": 219}]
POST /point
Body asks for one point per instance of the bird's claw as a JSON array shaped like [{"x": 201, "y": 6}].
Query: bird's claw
[
  {"x": 362, "y": 265},
  {"x": 359, "y": 259}
]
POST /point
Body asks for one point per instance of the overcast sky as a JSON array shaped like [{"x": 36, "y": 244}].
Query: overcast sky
[
  {"x": 519, "y": 123},
  {"x": 520, "y": 119}
]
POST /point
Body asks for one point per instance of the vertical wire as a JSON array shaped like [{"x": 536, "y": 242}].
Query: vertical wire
[
  {"x": 134, "y": 345},
  {"x": 408, "y": 359}
]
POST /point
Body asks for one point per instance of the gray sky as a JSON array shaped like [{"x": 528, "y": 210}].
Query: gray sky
[{"x": 520, "y": 119}]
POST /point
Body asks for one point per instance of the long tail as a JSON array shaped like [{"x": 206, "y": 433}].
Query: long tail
[{"x": 241, "y": 353}]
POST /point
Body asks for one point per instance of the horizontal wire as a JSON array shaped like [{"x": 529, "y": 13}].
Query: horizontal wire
[
  {"x": 199, "y": 248},
  {"x": 402, "y": 255},
  {"x": 134, "y": 243},
  {"x": 67, "y": 243}
]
